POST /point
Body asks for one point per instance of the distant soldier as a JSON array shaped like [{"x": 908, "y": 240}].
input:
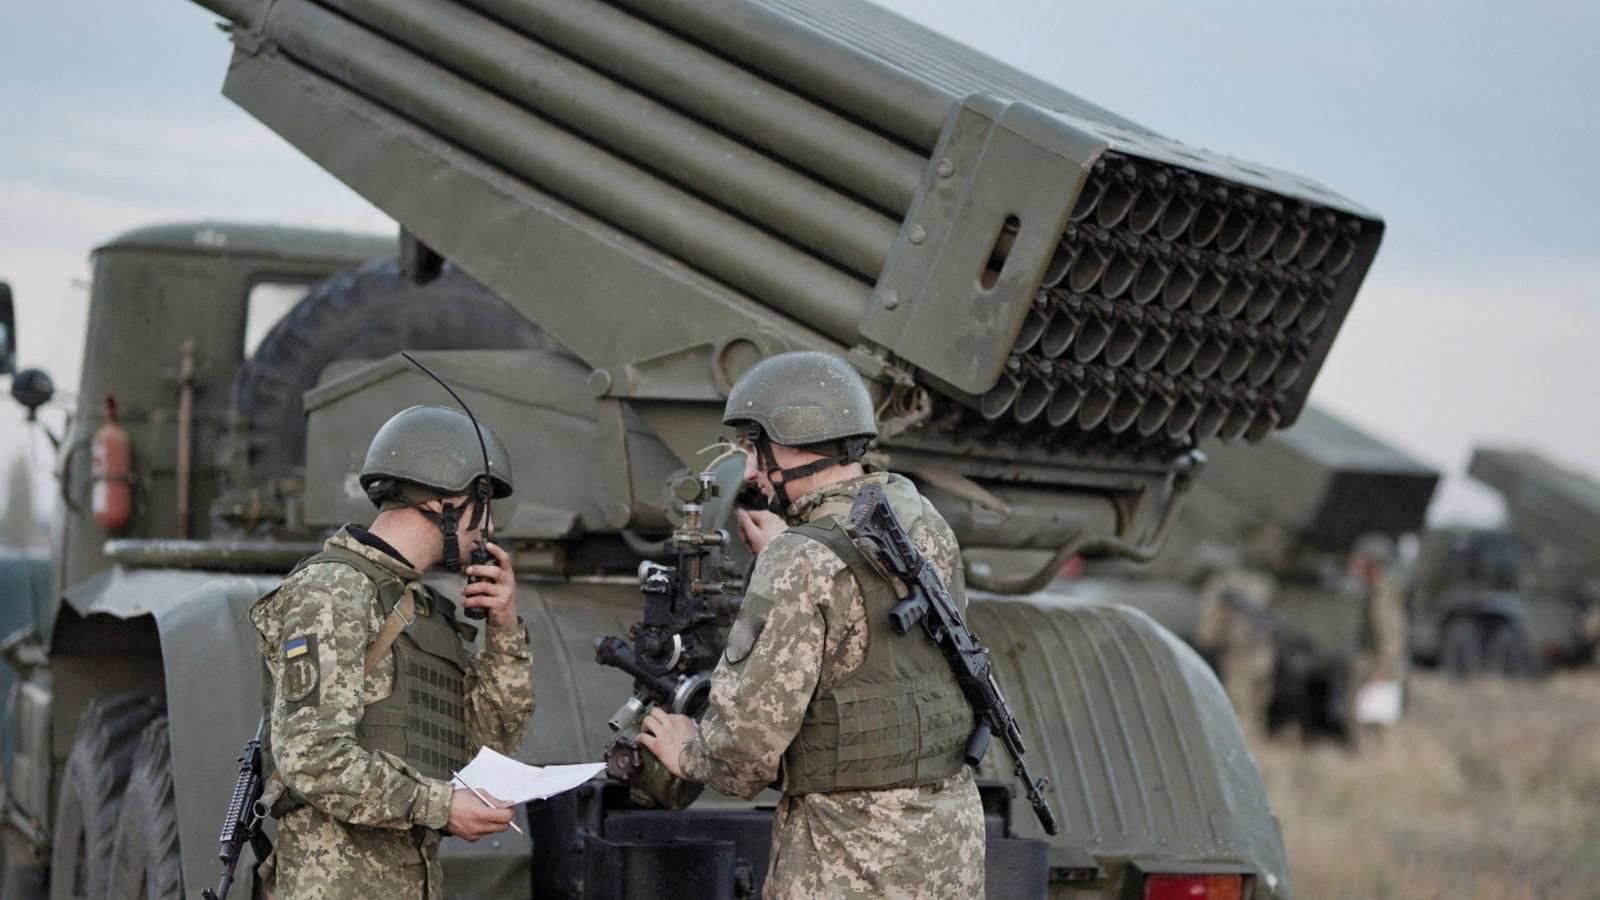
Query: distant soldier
[
  {"x": 862, "y": 730},
  {"x": 1380, "y": 664},
  {"x": 1236, "y": 630},
  {"x": 375, "y": 700}
]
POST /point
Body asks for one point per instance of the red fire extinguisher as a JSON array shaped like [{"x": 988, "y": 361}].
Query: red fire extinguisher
[{"x": 111, "y": 470}]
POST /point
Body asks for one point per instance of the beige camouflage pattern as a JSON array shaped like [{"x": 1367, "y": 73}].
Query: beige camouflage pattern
[
  {"x": 371, "y": 826},
  {"x": 921, "y": 842},
  {"x": 1383, "y": 652},
  {"x": 1243, "y": 649}
]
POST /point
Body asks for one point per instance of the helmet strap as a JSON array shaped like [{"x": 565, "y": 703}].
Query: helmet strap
[
  {"x": 780, "y": 477},
  {"x": 448, "y": 521},
  {"x": 449, "y": 518}
]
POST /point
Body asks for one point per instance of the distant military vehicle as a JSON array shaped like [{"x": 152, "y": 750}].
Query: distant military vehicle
[
  {"x": 1052, "y": 305},
  {"x": 1518, "y": 600},
  {"x": 1324, "y": 484}
]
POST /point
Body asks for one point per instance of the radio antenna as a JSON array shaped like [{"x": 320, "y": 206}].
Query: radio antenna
[{"x": 485, "y": 488}]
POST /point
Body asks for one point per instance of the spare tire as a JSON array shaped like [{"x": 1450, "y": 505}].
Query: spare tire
[{"x": 364, "y": 313}]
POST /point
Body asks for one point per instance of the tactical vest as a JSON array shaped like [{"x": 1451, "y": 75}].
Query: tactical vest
[
  {"x": 424, "y": 719},
  {"x": 898, "y": 721}
]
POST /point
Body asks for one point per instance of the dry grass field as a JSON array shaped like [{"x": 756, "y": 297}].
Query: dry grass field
[{"x": 1486, "y": 791}]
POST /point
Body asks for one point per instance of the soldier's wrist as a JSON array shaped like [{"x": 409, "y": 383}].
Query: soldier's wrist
[
  {"x": 510, "y": 639},
  {"x": 432, "y": 809},
  {"x": 692, "y": 761}
]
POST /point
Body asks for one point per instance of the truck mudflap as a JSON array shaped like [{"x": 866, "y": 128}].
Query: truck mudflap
[{"x": 211, "y": 672}]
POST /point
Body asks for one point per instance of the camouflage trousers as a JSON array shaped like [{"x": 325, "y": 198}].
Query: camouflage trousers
[
  {"x": 1247, "y": 677},
  {"x": 921, "y": 842},
  {"x": 319, "y": 858}
]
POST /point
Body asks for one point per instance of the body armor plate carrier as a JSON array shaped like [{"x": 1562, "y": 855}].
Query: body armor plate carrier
[
  {"x": 424, "y": 719},
  {"x": 898, "y": 721}
]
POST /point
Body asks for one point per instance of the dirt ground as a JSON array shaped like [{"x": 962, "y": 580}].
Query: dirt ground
[{"x": 1486, "y": 791}]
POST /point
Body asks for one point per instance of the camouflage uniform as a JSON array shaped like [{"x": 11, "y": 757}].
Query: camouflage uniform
[
  {"x": 371, "y": 823},
  {"x": 925, "y": 841},
  {"x": 1383, "y": 639},
  {"x": 1243, "y": 648}
]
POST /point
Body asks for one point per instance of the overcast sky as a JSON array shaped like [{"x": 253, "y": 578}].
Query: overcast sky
[{"x": 1470, "y": 127}]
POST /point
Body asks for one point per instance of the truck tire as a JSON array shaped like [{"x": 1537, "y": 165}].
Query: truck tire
[
  {"x": 145, "y": 864},
  {"x": 1461, "y": 648},
  {"x": 364, "y": 313},
  {"x": 91, "y": 794},
  {"x": 1506, "y": 651}
]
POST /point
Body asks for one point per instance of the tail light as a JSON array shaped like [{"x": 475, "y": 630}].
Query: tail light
[{"x": 1194, "y": 887}]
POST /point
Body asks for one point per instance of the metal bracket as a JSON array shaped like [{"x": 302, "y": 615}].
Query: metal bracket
[{"x": 974, "y": 247}]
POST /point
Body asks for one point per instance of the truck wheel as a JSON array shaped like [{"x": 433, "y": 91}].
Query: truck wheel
[
  {"x": 1461, "y": 648},
  {"x": 1506, "y": 652},
  {"x": 145, "y": 864},
  {"x": 364, "y": 313},
  {"x": 91, "y": 794}
]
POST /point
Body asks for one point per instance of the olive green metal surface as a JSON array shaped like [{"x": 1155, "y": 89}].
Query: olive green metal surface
[
  {"x": 1052, "y": 307},
  {"x": 154, "y": 289},
  {"x": 576, "y": 135},
  {"x": 1324, "y": 480},
  {"x": 1545, "y": 502}
]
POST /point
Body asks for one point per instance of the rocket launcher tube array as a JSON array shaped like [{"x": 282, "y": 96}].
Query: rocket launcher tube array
[
  {"x": 567, "y": 166},
  {"x": 724, "y": 95},
  {"x": 775, "y": 147},
  {"x": 612, "y": 115}
]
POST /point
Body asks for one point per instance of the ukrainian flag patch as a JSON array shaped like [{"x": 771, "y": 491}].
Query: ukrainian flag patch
[{"x": 294, "y": 647}]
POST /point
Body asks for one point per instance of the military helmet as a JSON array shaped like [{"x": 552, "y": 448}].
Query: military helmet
[
  {"x": 802, "y": 398},
  {"x": 435, "y": 448}
]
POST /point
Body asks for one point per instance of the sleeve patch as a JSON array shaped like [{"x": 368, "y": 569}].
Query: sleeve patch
[{"x": 300, "y": 671}]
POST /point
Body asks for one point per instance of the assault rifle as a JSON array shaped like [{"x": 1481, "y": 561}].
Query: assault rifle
[
  {"x": 243, "y": 820},
  {"x": 874, "y": 526}
]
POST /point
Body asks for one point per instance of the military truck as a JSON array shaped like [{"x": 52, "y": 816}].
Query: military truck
[
  {"x": 1517, "y": 600},
  {"x": 1052, "y": 305},
  {"x": 1320, "y": 487}
]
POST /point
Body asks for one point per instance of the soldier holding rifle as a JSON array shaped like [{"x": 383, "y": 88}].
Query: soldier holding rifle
[{"x": 863, "y": 730}]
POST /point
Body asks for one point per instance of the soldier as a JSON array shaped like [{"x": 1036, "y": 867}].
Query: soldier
[
  {"x": 1379, "y": 668},
  {"x": 1236, "y": 626},
  {"x": 375, "y": 701},
  {"x": 862, "y": 730}
]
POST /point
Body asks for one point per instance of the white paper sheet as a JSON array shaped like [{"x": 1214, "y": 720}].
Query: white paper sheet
[
  {"x": 506, "y": 779},
  {"x": 1379, "y": 703}
]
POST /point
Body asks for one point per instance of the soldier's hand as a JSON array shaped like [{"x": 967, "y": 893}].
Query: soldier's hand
[
  {"x": 470, "y": 819},
  {"x": 757, "y": 528},
  {"x": 498, "y": 594},
  {"x": 666, "y": 734}
]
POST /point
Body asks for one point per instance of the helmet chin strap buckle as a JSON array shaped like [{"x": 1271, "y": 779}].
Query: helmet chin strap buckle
[
  {"x": 449, "y": 519},
  {"x": 780, "y": 477}
]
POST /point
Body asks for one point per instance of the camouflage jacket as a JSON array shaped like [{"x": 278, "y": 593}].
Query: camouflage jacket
[
  {"x": 372, "y": 823},
  {"x": 905, "y": 842},
  {"x": 1383, "y": 631},
  {"x": 1225, "y": 629}
]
